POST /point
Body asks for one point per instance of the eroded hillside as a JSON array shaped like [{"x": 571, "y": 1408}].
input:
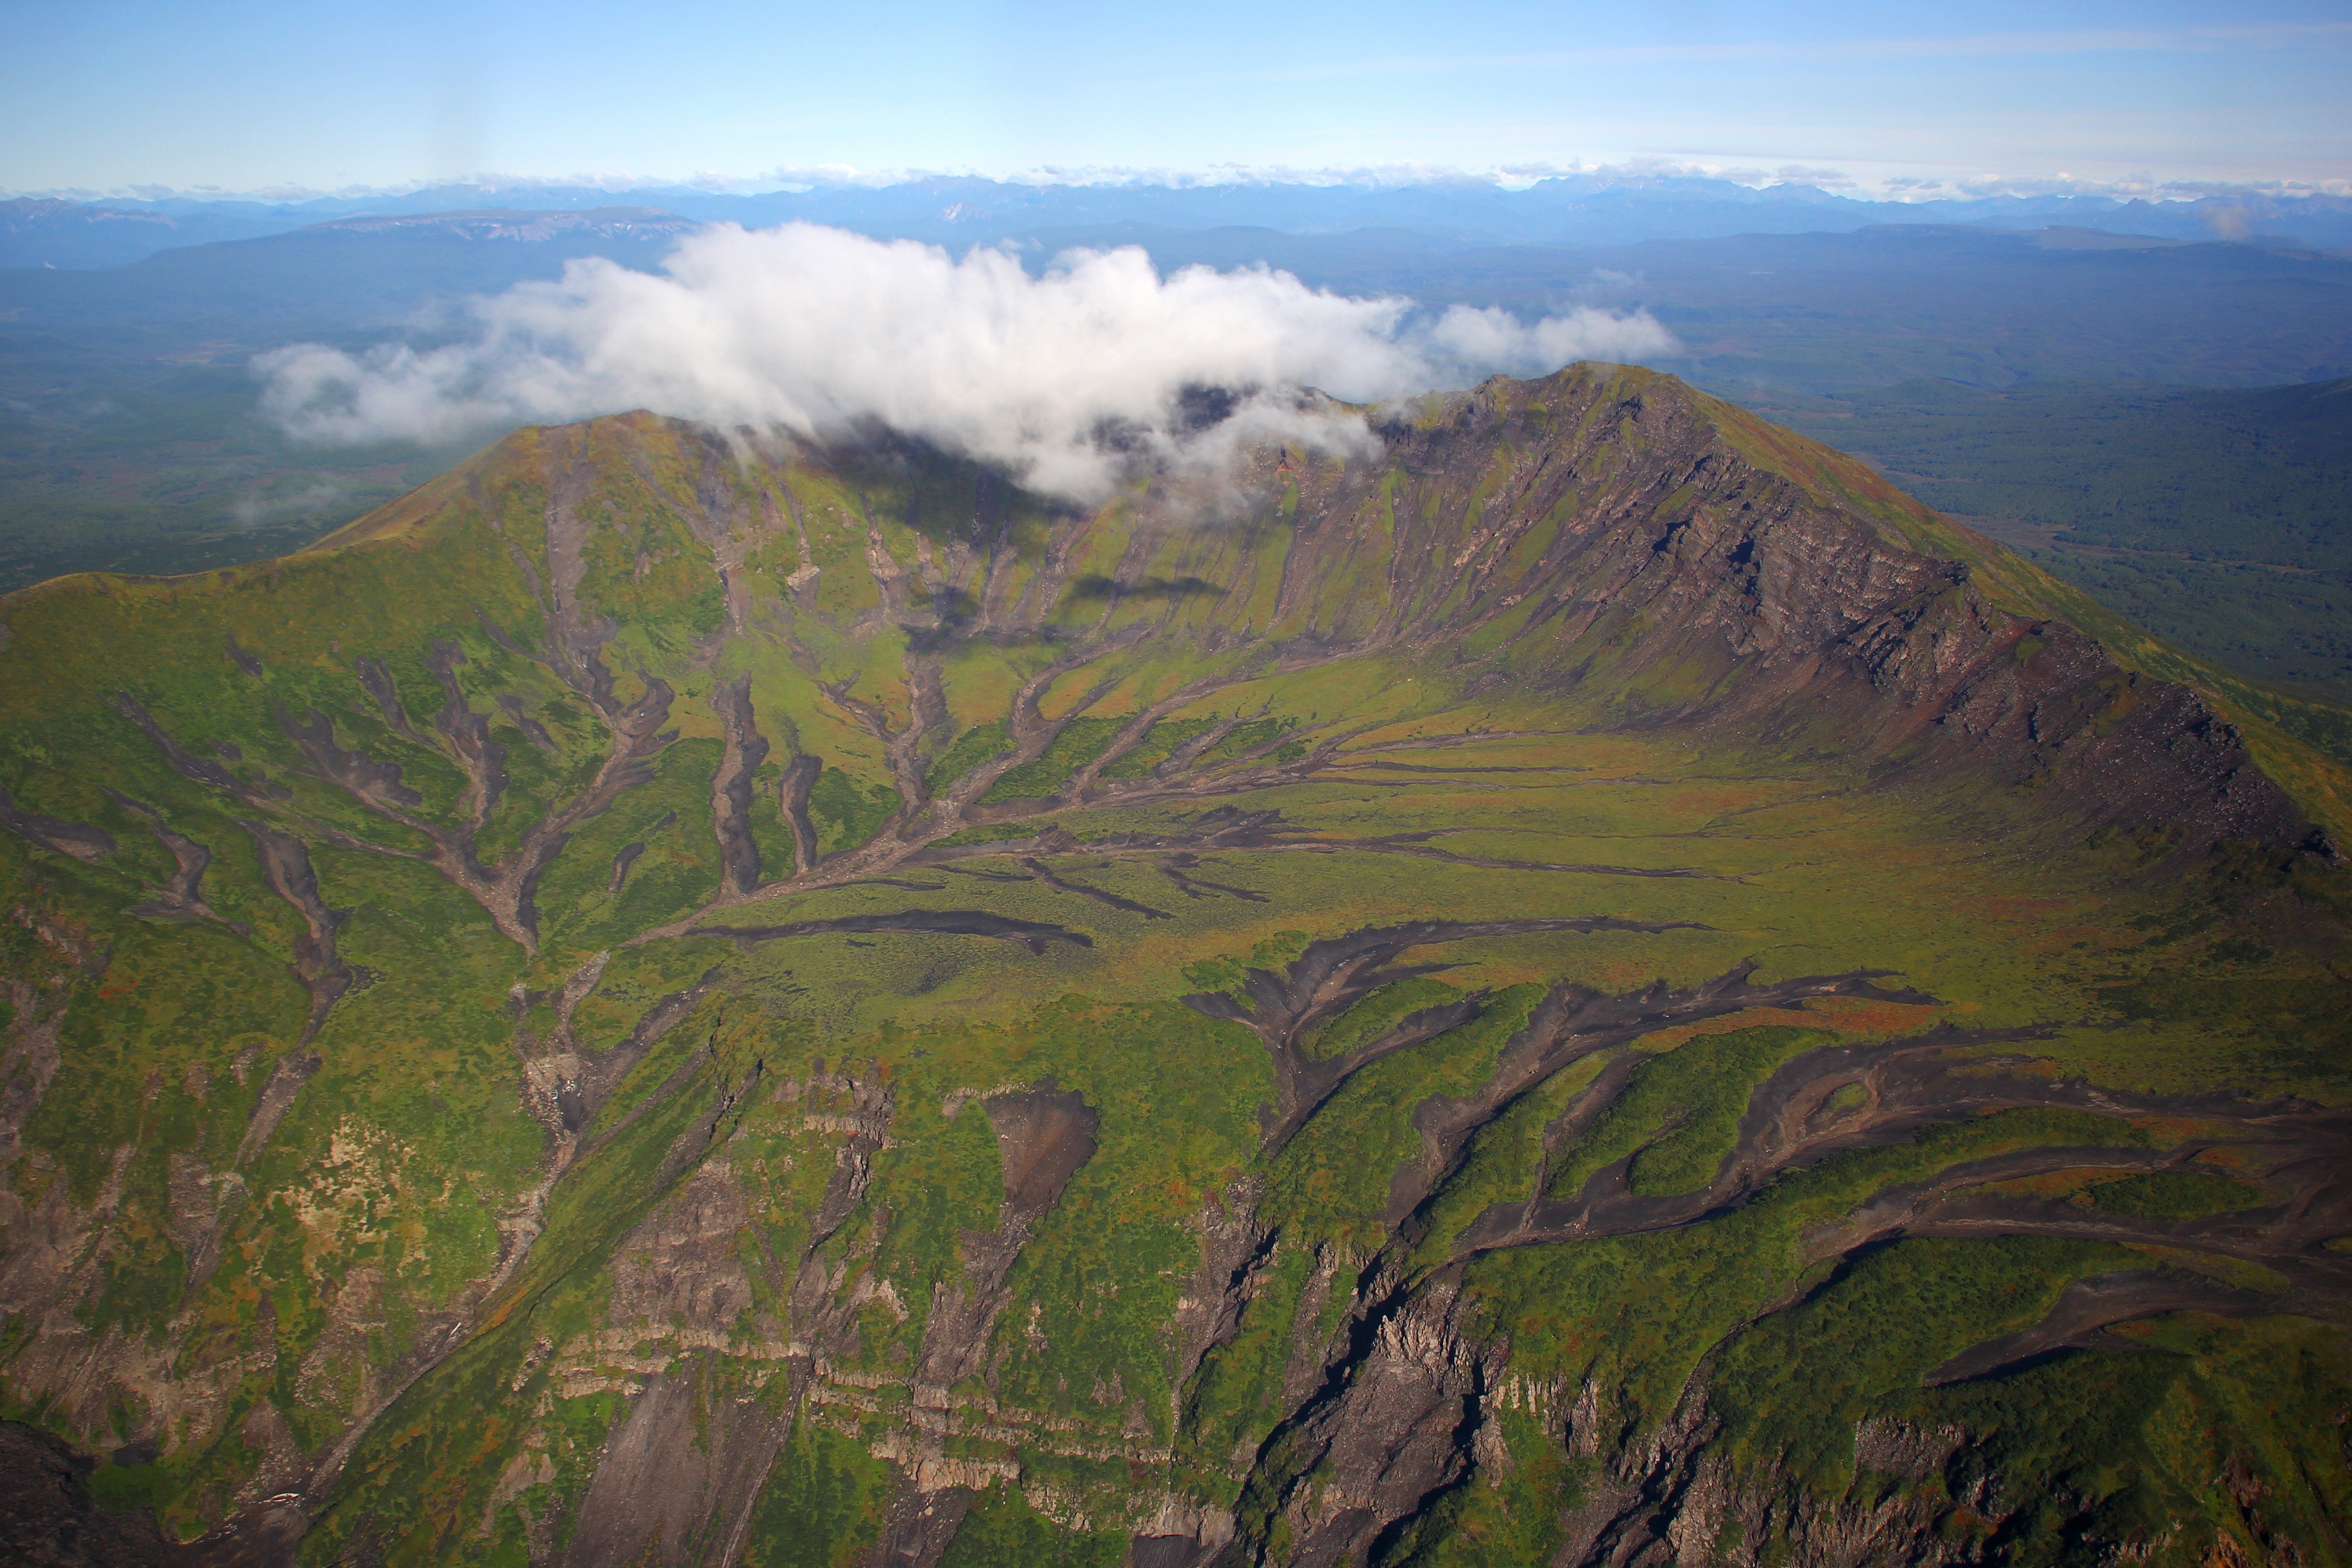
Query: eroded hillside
[{"x": 1600, "y": 986}]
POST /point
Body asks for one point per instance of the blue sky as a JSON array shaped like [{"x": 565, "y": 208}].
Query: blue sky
[{"x": 109, "y": 94}]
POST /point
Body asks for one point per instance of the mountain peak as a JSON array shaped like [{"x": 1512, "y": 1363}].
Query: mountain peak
[{"x": 674, "y": 981}]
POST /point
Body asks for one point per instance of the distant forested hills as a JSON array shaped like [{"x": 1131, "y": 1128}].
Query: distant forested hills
[
  {"x": 1599, "y": 206},
  {"x": 2043, "y": 383},
  {"x": 2219, "y": 520}
]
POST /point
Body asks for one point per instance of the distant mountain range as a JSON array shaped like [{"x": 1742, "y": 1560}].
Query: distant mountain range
[
  {"x": 128, "y": 439},
  {"x": 1798, "y": 311},
  {"x": 1601, "y": 208}
]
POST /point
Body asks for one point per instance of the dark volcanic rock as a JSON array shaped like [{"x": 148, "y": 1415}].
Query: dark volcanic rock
[{"x": 49, "y": 1519}]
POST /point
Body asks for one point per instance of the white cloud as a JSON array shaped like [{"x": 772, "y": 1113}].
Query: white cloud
[{"x": 817, "y": 330}]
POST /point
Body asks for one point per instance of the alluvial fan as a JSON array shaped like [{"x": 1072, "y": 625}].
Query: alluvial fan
[{"x": 1600, "y": 986}]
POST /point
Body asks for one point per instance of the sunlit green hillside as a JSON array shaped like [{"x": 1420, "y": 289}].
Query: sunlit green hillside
[{"x": 1598, "y": 984}]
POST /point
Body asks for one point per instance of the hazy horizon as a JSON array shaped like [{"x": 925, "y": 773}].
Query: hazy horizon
[
  {"x": 2086, "y": 94},
  {"x": 1826, "y": 183}
]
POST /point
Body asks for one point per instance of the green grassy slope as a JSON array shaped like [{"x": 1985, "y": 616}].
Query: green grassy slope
[{"x": 655, "y": 998}]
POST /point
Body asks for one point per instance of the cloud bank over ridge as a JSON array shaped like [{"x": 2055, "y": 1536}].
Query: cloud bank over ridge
[{"x": 1070, "y": 381}]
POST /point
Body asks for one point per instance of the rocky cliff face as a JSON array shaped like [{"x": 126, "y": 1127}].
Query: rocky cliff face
[{"x": 1600, "y": 987}]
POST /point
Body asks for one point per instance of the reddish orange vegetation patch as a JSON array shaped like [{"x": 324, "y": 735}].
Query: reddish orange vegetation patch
[
  {"x": 1861, "y": 1016},
  {"x": 1623, "y": 974},
  {"x": 2049, "y": 1183},
  {"x": 1845, "y": 1016},
  {"x": 1495, "y": 974},
  {"x": 1716, "y": 799},
  {"x": 2171, "y": 1130},
  {"x": 1753, "y": 1018}
]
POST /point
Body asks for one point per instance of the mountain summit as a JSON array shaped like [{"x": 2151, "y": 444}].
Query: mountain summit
[{"x": 1598, "y": 985}]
